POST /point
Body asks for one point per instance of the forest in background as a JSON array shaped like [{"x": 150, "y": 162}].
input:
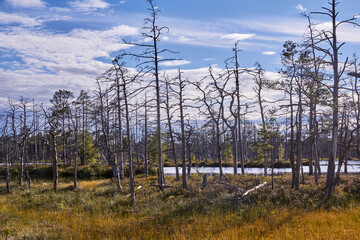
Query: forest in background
[{"x": 142, "y": 117}]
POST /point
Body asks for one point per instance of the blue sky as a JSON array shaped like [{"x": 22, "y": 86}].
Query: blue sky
[{"x": 46, "y": 45}]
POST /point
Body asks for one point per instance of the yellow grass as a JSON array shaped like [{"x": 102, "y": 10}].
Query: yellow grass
[{"x": 96, "y": 211}]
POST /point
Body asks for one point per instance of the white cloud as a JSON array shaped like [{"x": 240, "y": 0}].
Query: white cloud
[
  {"x": 89, "y": 5},
  {"x": 165, "y": 38},
  {"x": 26, "y": 3},
  {"x": 289, "y": 26},
  {"x": 122, "y": 2},
  {"x": 345, "y": 33},
  {"x": 301, "y": 8},
  {"x": 52, "y": 61},
  {"x": 211, "y": 34},
  {"x": 268, "y": 53},
  {"x": 183, "y": 39},
  {"x": 209, "y": 59},
  {"x": 238, "y": 36},
  {"x": 175, "y": 63},
  {"x": 10, "y": 18},
  {"x": 74, "y": 52}
]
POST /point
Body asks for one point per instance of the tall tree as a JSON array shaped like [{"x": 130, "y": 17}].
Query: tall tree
[
  {"x": 109, "y": 153},
  {"x": 53, "y": 122},
  {"x": 212, "y": 96},
  {"x": 236, "y": 71},
  {"x": 170, "y": 114},
  {"x": 152, "y": 57},
  {"x": 61, "y": 109},
  {"x": 331, "y": 38}
]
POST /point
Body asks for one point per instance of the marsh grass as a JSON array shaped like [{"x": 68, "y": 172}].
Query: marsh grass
[{"x": 95, "y": 210}]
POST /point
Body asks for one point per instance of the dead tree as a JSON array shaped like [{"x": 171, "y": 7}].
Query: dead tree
[
  {"x": 83, "y": 101},
  {"x": 16, "y": 138},
  {"x": 214, "y": 105},
  {"x": 109, "y": 154},
  {"x": 331, "y": 38},
  {"x": 52, "y": 120},
  {"x": 288, "y": 58},
  {"x": 189, "y": 131},
  {"x": 4, "y": 141},
  {"x": 233, "y": 128},
  {"x": 236, "y": 71},
  {"x": 74, "y": 131},
  {"x": 25, "y": 132},
  {"x": 126, "y": 81},
  {"x": 151, "y": 57},
  {"x": 146, "y": 154},
  {"x": 114, "y": 78},
  {"x": 180, "y": 95},
  {"x": 317, "y": 93},
  {"x": 169, "y": 114},
  {"x": 260, "y": 84},
  {"x": 355, "y": 93}
]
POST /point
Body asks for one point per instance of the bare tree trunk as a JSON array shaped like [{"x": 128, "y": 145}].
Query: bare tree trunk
[
  {"x": 76, "y": 150},
  {"x": 237, "y": 84},
  {"x": 105, "y": 127},
  {"x": 169, "y": 117},
  {"x": 120, "y": 152},
  {"x": 218, "y": 149},
  {"x": 183, "y": 140},
  {"x": 146, "y": 139},
  {"x": 190, "y": 162},
  {"x": 312, "y": 137},
  {"x": 131, "y": 171},
  {"x": 7, "y": 169},
  {"x": 55, "y": 163},
  {"x": 235, "y": 152},
  {"x": 330, "y": 179},
  {"x": 298, "y": 137}
]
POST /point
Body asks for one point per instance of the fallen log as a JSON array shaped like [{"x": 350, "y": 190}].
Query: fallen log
[{"x": 253, "y": 189}]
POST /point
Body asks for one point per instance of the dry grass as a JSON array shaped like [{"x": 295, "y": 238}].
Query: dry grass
[{"x": 96, "y": 211}]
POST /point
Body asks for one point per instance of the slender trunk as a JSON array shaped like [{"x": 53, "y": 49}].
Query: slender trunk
[
  {"x": 292, "y": 145},
  {"x": 82, "y": 156},
  {"x": 7, "y": 169},
  {"x": 76, "y": 153},
  {"x": 235, "y": 152},
  {"x": 237, "y": 85},
  {"x": 64, "y": 137},
  {"x": 316, "y": 150},
  {"x": 21, "y": 167},
  {"x": 218, "y": 148},
  {"x": 190, "y": 160},
  {"x": 158, "y": 116},
  {"x": 298, "y": 139},
  {"x": 145, "y": 141},
  {"x": 120, "y": 152},
  {"x": 131, "y": 171},
  {"x": 272, "y": 163},
  {"x": 183, "y": 143},
  {"x": 55, "y": 163},
  {"x": 75, "y": 171},
  {"x": 169, "y": 117},
  {"x": 312, "y": 137},
  {"x": 330, "y": 178},
  {"x": 105, "y": 130}
]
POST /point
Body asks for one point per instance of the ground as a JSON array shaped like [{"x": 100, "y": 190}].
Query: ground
[{"x": 96, "y": 211}]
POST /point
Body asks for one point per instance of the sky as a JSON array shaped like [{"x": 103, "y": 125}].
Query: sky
[{"x": 46, "y": 45}]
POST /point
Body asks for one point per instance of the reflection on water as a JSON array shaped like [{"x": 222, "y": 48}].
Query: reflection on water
[{"x": 353, "y": 167}]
